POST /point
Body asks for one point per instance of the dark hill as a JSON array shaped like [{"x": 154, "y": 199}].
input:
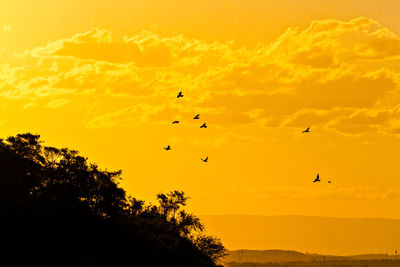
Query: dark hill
[
  {"x": 263, "y": 256},
  {"x": 286, "y": 256}
]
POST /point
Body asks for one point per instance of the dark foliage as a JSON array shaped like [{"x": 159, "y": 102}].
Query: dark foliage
[{"x": 56, "y": 209}]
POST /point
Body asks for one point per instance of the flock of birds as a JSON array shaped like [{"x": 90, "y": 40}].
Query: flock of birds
[
  {"x": 197, "y": 117},
  {"x": 204, "y": 125}
]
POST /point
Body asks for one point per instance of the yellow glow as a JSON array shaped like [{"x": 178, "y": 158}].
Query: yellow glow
[{"x": 102, "y": 77}]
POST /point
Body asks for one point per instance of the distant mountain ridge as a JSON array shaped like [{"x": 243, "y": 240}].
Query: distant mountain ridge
[
  {"x": 322, "y": 235},
  {"x": 275, "y": 255}
]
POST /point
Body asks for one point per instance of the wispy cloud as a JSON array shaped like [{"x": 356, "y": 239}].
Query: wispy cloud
[
  {"x": 58, "y": 103},
  {"x": 6, "y": 28},
  {"x": 343, "y": 75}
]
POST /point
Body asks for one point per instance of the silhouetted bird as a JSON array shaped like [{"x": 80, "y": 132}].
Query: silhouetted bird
[
  {"x": 329, "y": 182},
  {"x": 317, "y": 179},
  {"x": 168, "y": 147},
  {"x": 180, "y": 94},
  {"x": 307, "y": 130},
  {"x": 205, "y": 160},
  {"x": 204, "y": 125},
  {"x": 175, "y": 122},
  {"x": 197, "y": 117}
]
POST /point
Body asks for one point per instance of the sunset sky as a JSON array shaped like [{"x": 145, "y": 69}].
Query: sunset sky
[{"x": 102, "y": 77}]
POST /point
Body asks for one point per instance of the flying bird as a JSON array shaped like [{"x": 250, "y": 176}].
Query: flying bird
[
  {"x": 307, "y": 130},
  {"x": 197, "y": 117},
  {"x": 317, "y": 179},
  {"x": 204, "y": 125},
  {"x": 205, "y": 160},
  {"x": 180, "y": 94},
  {"x": 329, "y": 182},
  {"x": 168, "y": 147},
  {"x": 174, "y": 122}
]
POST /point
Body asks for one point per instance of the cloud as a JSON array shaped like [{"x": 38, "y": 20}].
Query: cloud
[
  {"x": 343, "y": 75},
  {"x": 29, "y": 105},
  {"x": 6, "y": 28},
  {"x": 58, "y": 103},
  {"x": 123, "y": 117}
]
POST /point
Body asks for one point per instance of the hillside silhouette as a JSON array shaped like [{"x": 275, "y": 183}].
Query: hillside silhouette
[
  {"x": 274, "y": 255},
  {"x": 57, "y": 208},
  {"x": 281, "y": 256},
  {"x": 289, "y": 258},
  {"x": 333, "y": 263}
]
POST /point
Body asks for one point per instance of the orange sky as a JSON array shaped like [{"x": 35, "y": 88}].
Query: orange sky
[{"x": 102, "y": 76}]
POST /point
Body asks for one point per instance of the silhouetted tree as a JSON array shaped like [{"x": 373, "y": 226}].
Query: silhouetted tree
[
  {"x": 189, "y": 225},
  {"x": 171, "y": 202},
  {"x": 56, "y": 208}
]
